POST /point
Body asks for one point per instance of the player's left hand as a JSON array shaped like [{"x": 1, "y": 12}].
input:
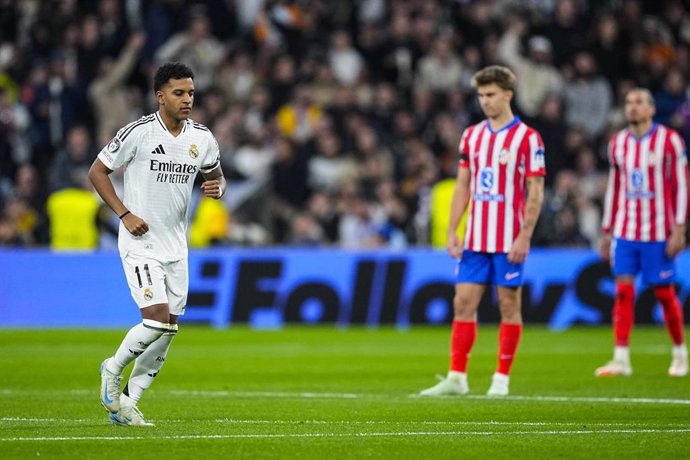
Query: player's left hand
[
  {"x": 519, "y": 250},
  {"x": 676, "y": 242},
  {"x": 211, "y": 188}
]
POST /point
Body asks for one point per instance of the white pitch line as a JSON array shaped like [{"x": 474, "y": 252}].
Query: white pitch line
[
  {"x": 327, "y": 395},
  {"x": 351, "y": 422},
  {"x": 270, "y": 394},
  {"x": 344, "y": 435},
  {"x": 592, "y": 399},
  {"x": 285, "y": 394}
]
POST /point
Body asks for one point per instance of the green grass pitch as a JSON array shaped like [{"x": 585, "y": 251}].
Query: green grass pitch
[{"x": 329, "y": 393}]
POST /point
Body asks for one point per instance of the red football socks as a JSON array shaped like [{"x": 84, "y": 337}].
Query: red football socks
[
  {"x": 508, "y": 340},
  {"x": 623, "y": 313},
  {"x": 673, "y": 312},
  {"x": 462, "y": 339}
]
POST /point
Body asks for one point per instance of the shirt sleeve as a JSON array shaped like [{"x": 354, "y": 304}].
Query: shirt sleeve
[
  {"x": 612, "y": 191},
  {"x": 679, "y": 179},
  {"x": 212, "y": 157},
  {"x": 120, "y": 150},
  {"x": 535, "y": 164},
  {"x": 464, "y": 149}
]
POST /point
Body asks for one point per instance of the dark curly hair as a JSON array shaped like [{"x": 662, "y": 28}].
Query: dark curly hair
[{"x": 174, "y": 70}]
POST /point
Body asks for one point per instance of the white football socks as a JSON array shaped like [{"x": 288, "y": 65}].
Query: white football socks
[
  {"x": 621, "y": 354},
  {"x": 149, "y": 363},
  {"x": 135, "y": 343}
]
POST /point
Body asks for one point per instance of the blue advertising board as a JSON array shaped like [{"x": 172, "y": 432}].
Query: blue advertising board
[{"x": 268, "y": 288}]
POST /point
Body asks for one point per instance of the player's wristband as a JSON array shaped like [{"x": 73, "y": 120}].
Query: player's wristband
[{"x": 123, "y": 214}]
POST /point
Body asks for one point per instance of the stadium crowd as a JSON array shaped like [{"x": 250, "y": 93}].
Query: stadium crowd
[{"x": 338, "y": 121}]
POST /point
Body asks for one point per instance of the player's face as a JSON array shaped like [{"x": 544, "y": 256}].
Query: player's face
[
  {"x": 638, "y": 108},
  {"x": 177, "y": 98},
  {"x": 494, "y": 100}
]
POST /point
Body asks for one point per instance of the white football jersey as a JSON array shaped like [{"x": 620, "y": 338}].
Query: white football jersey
[{"x": 159, "y": 175}]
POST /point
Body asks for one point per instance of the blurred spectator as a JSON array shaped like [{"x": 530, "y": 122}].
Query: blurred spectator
[
  {"x": 441, "y": 70},
  {"x": 24, "y": 207},
  {"x": 73, "y": 213},
  {"x": 305, "y": 231},
  {"x": 196, "y": 47},
  {"x": 609, "y": 49},
  {"x": 108, "y": 92},
  {"x": 551, "y": 124},
  {"x": 14, "y": 123},
  {"x": 253, "y": 159},
  {"x": 210, "y": 225},
  {"x": 113, "y": 28},
  {"x": 359, "y": 227},
  {"x": 322, "y": 207},
  {"x": 29, "y": 198},
  {"x": 329, "y": 167},
  {"x": 9, "y": 236},
  {"x": 78, "y": 153},
  {"x": 237, "y": 78},
  {"x": 346, "y": 62},
  {"x": 566, "y": 31},
  {"x": 670, "y": 98},
  {"x": 536, "y": 76},
  {"x": 587, "y": 96},
  {"x": 284, "y": 78},
  {"x": 297, "y": 119},
  {"x": 279, "y": 23}
]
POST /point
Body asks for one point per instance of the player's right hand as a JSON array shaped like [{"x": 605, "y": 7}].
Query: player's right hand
[
  {"x": 135, "y": 224},
  {"x": 454, "y": 246},
  {"x": 605, "y": 248}
]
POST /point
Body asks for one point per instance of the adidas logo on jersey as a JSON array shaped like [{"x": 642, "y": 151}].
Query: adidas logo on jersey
[{"x": 158, "y": 150}]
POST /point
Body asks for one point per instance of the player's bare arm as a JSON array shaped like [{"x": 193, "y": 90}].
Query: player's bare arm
[
  {"x": 676, "y": 242},
  {"x": 98, "y": 174},
  {"x": 461, "y": 197},
  {"x": 605, "y": 247},
  {"x": 214, "y": 183},
  {"x": 535, "y": 197}
]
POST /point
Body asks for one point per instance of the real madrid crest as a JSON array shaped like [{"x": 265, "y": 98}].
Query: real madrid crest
[
  {"x": 193, "y": 151},
  {"x": 114, "y": 145},
  {"x": 148, "y": 294}
]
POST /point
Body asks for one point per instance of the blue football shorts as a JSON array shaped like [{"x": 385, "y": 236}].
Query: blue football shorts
[
  {"x": 633, "y": 257},
  {"x": 488, "y": 268}
]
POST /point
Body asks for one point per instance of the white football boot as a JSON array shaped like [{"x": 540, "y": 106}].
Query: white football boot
[
  {"x": 499, "y": 385},
  {"x": 679, "y": 362},
  {"x": 110, "y": 388},
  {"x": 455, "y": 384},
  {"x": 614, "y": 368},
  {"x": 129, "y": 414}
]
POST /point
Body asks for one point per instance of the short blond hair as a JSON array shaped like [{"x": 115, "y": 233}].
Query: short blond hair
[{"x": 502, "y": 76}]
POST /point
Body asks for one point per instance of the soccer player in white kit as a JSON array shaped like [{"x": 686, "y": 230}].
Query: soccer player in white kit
[
  {"x": 161, "y": 154},
  {"x": 644, "y": 223},
  {"x": 501, "y": 173}
]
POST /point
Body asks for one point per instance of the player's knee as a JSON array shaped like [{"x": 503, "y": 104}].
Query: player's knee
[
  {"x": 510, "y": 312},
  {"x": 156, "y": 328},
  {"x": 158, "y": 312},
  {"x": 462, "y": 304}
]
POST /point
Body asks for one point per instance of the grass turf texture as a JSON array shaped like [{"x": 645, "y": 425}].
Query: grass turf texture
[{"x": 329, "y": 393}]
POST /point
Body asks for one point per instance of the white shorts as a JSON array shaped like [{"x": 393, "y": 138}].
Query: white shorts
[{"x": 152, "y": 282}]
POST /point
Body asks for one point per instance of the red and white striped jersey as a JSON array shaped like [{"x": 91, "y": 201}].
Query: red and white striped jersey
[
  {"x": 500, "y": 163},
  {"x": 647, "y": 190}
]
